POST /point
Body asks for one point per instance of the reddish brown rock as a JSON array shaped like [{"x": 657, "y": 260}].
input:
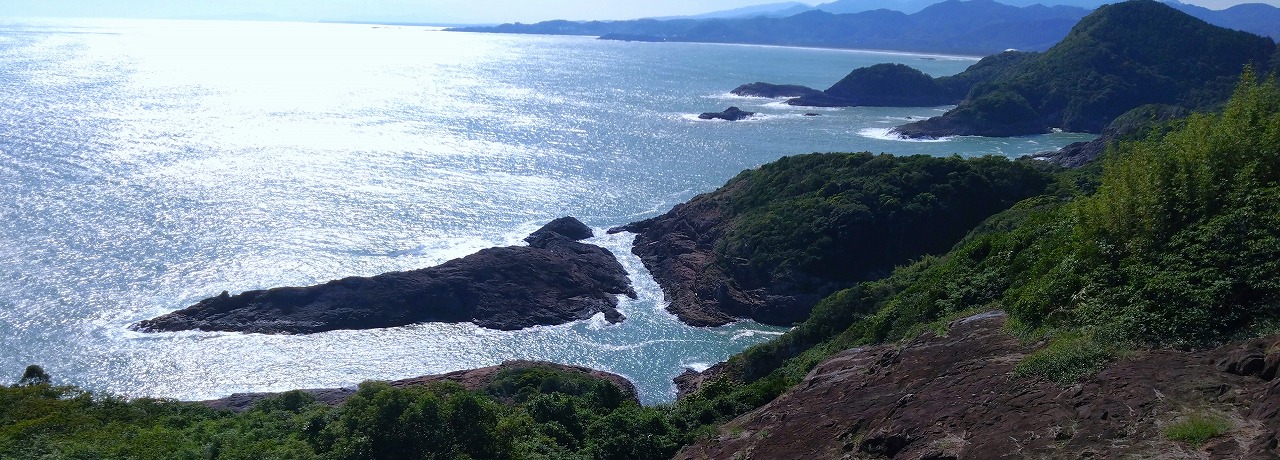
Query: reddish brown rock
[
  {"x": 955, "y": 396},
  {"x": 678, "y": 248}
]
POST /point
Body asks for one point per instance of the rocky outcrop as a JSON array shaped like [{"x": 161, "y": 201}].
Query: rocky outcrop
[
  {"x": 882, "y": 85},
  {"x": 678, "y": 248},
  {"x": 955, "y": 396},
  {"x": 472, "y": 379},
  {"x": 568, "y": 227},
  {"x": 554, "y": 280},
  {"x": 729, "y": 114},
  {"x": 1133, "y": 124},
  {"x": 770, "y": 90}
]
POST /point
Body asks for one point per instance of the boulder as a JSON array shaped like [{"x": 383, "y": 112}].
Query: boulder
[
  {"x": 729, "y": 114},
  {"x": 568, "y": 227}
]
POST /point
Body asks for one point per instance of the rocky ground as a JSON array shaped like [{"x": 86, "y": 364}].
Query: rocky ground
[
  {"x": 553, "y": 280},
  {"x": 955, "y": 396},
  {"x": 678, "y": 248}
]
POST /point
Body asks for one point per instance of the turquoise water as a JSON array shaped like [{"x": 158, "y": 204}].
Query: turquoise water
[{"x": 145, "y": 165}]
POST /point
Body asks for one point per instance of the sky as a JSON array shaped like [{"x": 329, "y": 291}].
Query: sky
[{"x": 436, "y": 11}]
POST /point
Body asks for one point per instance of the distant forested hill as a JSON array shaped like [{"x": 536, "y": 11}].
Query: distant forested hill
[{"x": 1120, "y": 57}]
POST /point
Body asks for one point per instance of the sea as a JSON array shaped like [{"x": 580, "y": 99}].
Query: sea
[{"x": 146, "y": 165}]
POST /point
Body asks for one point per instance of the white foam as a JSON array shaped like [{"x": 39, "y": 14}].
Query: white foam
[
  {"x": 783, "y": 105},
  {"x": 597, "y": 322},
  {"x": 696, "y": 367},
  {"x": 758, "y": 117},
  {"x": 739, "y": 97},
  {"x": 750, "y": 333},
  {"x": 887, "y": 134}
]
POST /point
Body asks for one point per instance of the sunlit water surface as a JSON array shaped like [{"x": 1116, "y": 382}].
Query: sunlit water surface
[{"x": 145, "y": 165}]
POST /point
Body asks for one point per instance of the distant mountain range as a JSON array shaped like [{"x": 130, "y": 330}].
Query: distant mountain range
[{"x": 977, "y": 27}]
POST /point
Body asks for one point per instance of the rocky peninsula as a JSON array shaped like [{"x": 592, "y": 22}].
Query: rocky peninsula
[
  {"x": 554, "y": 280},
  {"x": 772, "y": 242}
]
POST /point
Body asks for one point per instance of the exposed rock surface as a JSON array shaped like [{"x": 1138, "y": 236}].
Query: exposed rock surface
[
  {"x": 955, "y": 396},
  {"x": 552, "y": 281},
  {"x": 678, "y": 248},
  {"x": 1136, "y": 122},
  {"x": 729, "y": 114},
  {"x": 568, "y": 227},
  {"x": 762, "y": 89},
  {"x": 472, "y": 379}
]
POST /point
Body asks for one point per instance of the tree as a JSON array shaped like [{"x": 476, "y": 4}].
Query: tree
[{"x": 34, "y": 375}]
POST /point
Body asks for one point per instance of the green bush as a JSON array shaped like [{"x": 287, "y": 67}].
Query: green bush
[{"x": 1066, "y": 359}]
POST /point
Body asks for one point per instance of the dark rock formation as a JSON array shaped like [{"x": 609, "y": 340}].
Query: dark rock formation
[
  {"x": 729, "y": 114},
  {"x": 882, "y": 85},
  {"x": 551, "y": 281},
  {"x": 762, "y": 89},
  {"x": 700, "y": 252},
  {"x": 955, "y": 396},
  {"x": 1132, "y": 124},
  {"x": 690, "y": 380},
  {"x": 678, "y": 249},
  {"x": 472, "y": 379},
  {"x": 568, "y": 227}
]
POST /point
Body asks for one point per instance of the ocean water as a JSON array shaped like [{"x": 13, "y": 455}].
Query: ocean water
[{"x": 145, "y": 165}]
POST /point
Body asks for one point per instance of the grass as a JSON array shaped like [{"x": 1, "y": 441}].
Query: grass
[
  {"x": 1066, "y": 359},
  {"x": 1197, "y": 428}
]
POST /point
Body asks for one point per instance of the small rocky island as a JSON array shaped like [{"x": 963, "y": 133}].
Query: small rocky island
[
  {"x": 880, "y": 85},
  {"x": 554, "y": 280},
  {"x": 729, "y": 114}
]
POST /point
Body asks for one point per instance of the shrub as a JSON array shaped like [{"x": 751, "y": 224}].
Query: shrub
[{"x": 1197, "y": 428}]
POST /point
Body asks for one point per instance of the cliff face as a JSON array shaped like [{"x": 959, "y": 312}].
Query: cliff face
[
  {"x": 774, "y": 241},
  {"x": 955, "y": 396}
]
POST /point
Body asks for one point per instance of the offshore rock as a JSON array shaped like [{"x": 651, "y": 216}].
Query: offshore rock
[
  {"x": 552, "y": 281},
  {"x": 568, "y": 227},
  {"x": 729, "y": 114},
  {"x": 762, "y": 89},
  {"x": 956, "y": 396}
]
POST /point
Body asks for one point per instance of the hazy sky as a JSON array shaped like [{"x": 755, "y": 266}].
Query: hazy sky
[{"x": 456, "y": 11}]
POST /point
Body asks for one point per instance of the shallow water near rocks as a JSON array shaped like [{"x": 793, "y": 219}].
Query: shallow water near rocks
[{"x": 145, "y": 165}]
